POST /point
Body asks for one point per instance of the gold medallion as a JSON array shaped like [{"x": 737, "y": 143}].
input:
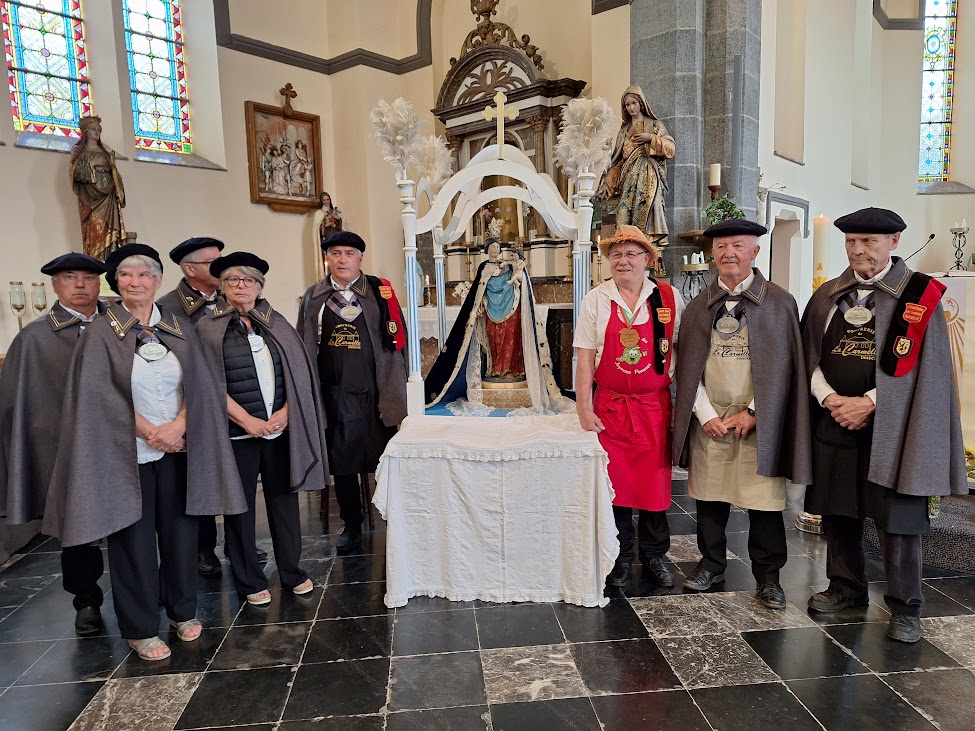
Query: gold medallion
[
  {"x": 858, "y": 315},
  {"x": 728, "y": 325},
  {"x": 629, "y": 337}
]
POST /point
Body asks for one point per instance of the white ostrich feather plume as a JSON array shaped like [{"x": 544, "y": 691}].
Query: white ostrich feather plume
[
  {"x": 434, "y": 161},
  {"x": 586, "y": 139},
  {"x": 398, "y": 131}
]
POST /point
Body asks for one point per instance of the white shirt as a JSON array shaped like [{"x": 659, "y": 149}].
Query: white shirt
[
  {"x": 703, "y": 408},
  {"x": 346, "y": 293},
  {"x": 820, "y": 389},
  {"x": 84, "y": 320},
  {"x": 596, "y": 309},
  {"x": 157, "y": 393}
]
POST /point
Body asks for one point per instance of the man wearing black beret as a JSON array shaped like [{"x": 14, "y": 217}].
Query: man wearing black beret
[
  {"x": 196, "y": 294},
  {"x": 885, "y": 421},
  {"x": 740, "y": 419},
  {"x": 352, "y": 326},
  {"x": 32, "y": 387}
]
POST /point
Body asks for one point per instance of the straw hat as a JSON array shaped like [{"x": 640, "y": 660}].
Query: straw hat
[{"x": 629, "y": 233}]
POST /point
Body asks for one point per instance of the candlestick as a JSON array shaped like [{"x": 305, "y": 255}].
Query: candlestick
[
  {"x": 715, "y": 175},
  {"x": 38, "y": 297},
  {"x": 18, "y": 301},
  {"x": 521, "y": 218},
  {"x": 714, "y": 190},
  {"x": 820, "y": 251}
]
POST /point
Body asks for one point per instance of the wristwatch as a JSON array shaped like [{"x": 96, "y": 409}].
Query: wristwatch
[{"x": 751, "y": 411}]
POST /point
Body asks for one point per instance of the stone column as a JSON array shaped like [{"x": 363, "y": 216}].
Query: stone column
[{"x": 538, "y": 124}]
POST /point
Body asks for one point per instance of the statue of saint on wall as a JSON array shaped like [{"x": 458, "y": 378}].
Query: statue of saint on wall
[
  {"x": 98, "y": 186},
  {"x": 638, "y": 174}
]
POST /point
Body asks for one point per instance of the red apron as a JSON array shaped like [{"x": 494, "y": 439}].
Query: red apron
[{"x": 633, "y": 402}]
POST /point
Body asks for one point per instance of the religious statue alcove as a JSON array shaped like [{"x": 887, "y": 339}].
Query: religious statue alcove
[{"x": 495, "y": 59}]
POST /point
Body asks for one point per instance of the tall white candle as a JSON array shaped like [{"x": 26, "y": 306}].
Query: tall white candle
[
  {"x": 820, "y": 250},
  {"x": 715, "y": 174},
  {"x": 571, "y": 192},
  {"x": 469, "y": 231},
  {"x": 521, "y": 218}
]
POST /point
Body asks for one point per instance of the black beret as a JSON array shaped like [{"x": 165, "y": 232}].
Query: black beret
[
  {"x": 73, "y": 261},
  {"x": 343, "y": 238},
  {"x": 870, "y": 221},
  {"x": 190, "y": 245},
  {"x": 123, "y": 252},
  {"x": 735, "y": 227},
  {"x": 238, "y": 259}
]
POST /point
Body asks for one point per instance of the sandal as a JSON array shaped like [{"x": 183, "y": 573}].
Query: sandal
[
  {"x": 305, "y": 587},
  {"x": 146, "y": 646},
  {"x": 185, "y": 630},
  {"x": 260, "y": 599}
]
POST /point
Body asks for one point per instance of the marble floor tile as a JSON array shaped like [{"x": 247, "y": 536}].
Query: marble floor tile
[
  {"x": 186, "y": 657},
  {"x": 713, "y": 660},
  {"x": 565, "y": 714},
  {"x": 745, "y": 613},
  {"x": 138, "y": 704},
  {"x": 806, "y": 652},
  {"x": 670, "y": 709},
  {"x": 349, "y": 639},
  {"x": 875, "y": 612},
  {"x": 468, "y": 718},
  {"x": 354, "y": 600},
  {"x": 42, "y": 707},
  {"x": 264, "y": 645},
  {"x": 349, "y": 688},
  {"x": 16, "y": 591},
  {"x": 355, "y": 569},
  {"x": 217, "y": 609},
  {"x": 318, "y": 569},
  {"x": 680, "y": 615},
  {"x": 236, "y": 697},
  {"x": 738, "y": 576},
  {"x": 536, "y": 673},
  {"x": 761, "y": 706},
  {"x": 623, "y": 666},
  {"x": 937, "y": 695},
  {"x": 962, "y": 590},
  {"x": 333, "y": 723},
  {"x": 870, "y": 645},
  {"x": 936, "y": 604},
  {"x": 17, "y": 657},
  {"x": 80, "y": 659},
  {"x": 518, "y": 625},
  {"x": 802, "y": 571},
  {"x": 954, "y": 636},
  {"x": 285, "y": 606},
  {"x": 682, "y": 525},
  {"x": 436, "y": 681},
  {"x": 5, "y": 611},
  {"x": 432, "y": 604},
  {"x": 615, "y": 621},
  {"x": 30, "y": 565},
  {"x": 857, "y": 702},
  {"x": 425, "y": 633}
]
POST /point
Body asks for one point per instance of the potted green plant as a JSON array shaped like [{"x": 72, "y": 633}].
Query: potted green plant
[{"x": 721, "y": 209}]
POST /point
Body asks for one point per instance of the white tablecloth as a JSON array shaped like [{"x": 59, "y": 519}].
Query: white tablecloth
[
  {"x": 429, "y": 326},
  {"x": 497, "y": 509}
]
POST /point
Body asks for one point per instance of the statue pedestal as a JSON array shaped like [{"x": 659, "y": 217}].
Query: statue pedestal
[{"x": 506, "y": 395}]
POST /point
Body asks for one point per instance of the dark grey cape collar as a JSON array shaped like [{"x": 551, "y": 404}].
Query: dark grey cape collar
[
  {"x": 325, "y": 286},
  {"x": 122, "y": 321},
  {"x": 893, "y": 282},
  {"x": 191, "y": 300},
  {"x": 756, "y": 292},
  {"x": 60, "y": 318},
  {"x": 262, "y": 311}
]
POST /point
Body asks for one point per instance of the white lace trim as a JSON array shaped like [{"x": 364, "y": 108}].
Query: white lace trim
[
  {"x": 582, "y": 600},
  {"x": 476, "y": 455},
  {"x": 463, "y": 407}
]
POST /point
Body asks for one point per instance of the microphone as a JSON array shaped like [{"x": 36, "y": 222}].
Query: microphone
[{"x": 922, "y": 246}]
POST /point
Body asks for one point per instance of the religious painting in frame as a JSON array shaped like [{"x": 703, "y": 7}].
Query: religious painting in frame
[{"x": 284, "y": 157}]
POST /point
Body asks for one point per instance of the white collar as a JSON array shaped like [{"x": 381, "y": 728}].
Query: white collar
[
  {"x": 741, "y": 286},
  {"x": 878, "y": 276},
  {"x": 336, "y": 286},
  {"x": 613, "y": 292},
  {"x": 155, "y": 317},
  {"x": 78, "y": 314}
]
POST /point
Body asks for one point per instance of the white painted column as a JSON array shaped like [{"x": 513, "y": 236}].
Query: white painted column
[
  {"x": 414, "y": 386},
  {"x": 438, "y": 264}
]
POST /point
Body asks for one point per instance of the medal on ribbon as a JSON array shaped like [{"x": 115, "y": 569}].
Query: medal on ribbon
[
  {"x": 349, "y": 313},
  {"x": 256, "y": 342},
  {"x": 727, "y": 325},
  {"x": 858, "y": 315},
  {"x": 629, "y": 337},
  {"x": 152, "y": 351}
]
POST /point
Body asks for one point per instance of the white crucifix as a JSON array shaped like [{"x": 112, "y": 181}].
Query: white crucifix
[{"x": 500, "y": 113}]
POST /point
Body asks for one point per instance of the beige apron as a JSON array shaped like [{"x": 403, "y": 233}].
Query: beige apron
[{"x": 726, "y": 468}]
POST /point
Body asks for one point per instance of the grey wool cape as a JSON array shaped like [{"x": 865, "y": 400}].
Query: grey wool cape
[
  {"x": 186, "y": 302},
  {"x": 32, "y": 385},
  {"x": 95, "y": 487},
  {"x": 917, "y": 446},
  {"x": 779, "y": 379},
  {"x": 306, "y": 416},
  {"x": 391, "y": 371}
]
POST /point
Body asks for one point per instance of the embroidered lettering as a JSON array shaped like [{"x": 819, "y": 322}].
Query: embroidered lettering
[{"x": 345, "y": 336}]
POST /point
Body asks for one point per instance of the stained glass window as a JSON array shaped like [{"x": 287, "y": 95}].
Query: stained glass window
[
  {"x": 47, "y": 67},
  {"x": 937, "y": 80},
  {"x": 157, "y": 74}
]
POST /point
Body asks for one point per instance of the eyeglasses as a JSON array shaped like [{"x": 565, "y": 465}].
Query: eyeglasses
[
  {"x": 206, "y": 263},
  {"x": 628, "y": 255},
  {"x": 246, "y": 281}
]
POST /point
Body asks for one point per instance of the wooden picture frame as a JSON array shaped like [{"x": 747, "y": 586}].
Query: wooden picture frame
[{"x": 290, "y": 182}]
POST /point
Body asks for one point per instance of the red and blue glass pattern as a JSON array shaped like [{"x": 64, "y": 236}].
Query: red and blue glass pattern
[
  {"x": 47, "y": 65},
  {"x": 937, "y": 89},
  {"x": 157, "y": 75}
]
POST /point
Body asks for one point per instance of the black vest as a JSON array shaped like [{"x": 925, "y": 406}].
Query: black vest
[
  {"x": 848, "y": 361},
  {"x": 242, "y": 383}
]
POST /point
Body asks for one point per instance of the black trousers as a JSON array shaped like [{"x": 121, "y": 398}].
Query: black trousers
[
  {"x": 652, "y": 533},
  {"x": 902, "y": 563},
  {"x": 348, "y": 493},
  {"x": 140, "y": 583},
  {"x": 270, "y": 459},
  {"x": 81, "y": 568},
  {"x": 767, "y": 548},
  {"x": 207, "y": 541}
]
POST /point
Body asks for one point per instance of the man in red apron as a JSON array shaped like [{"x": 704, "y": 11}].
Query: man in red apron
[{"x": 625, "y": 337}]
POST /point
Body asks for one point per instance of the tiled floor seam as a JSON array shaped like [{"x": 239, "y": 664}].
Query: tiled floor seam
[
  {"x": 297, "y": 668},
  {"x": 389, "y": 674},
  {"x": 923, "y": 713}
]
